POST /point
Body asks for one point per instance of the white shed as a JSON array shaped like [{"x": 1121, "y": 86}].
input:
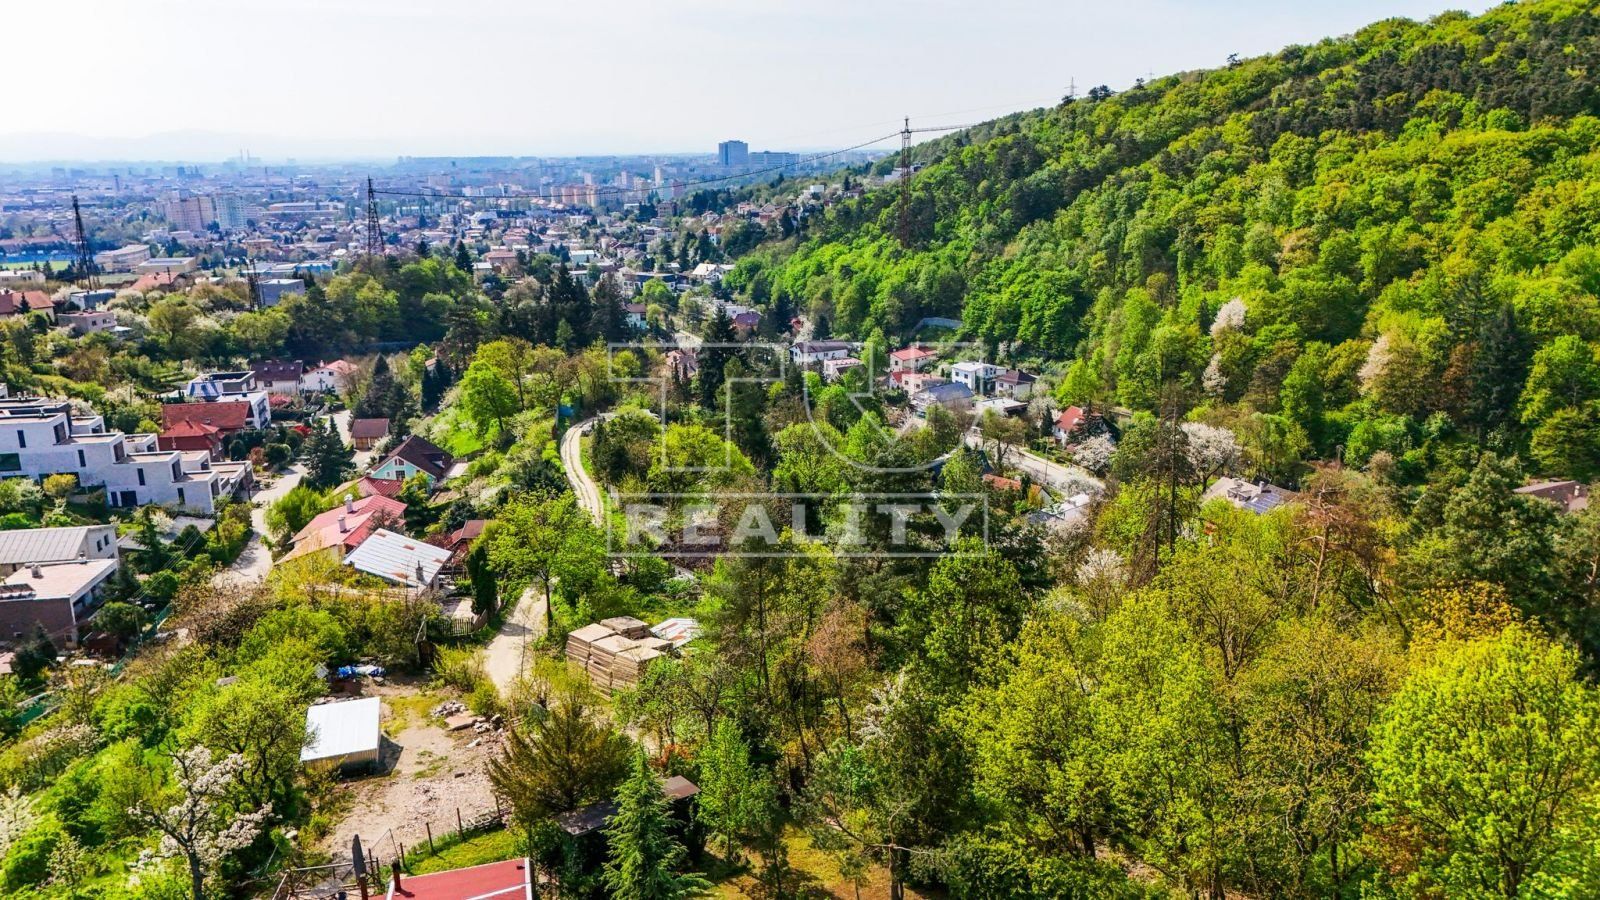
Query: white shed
[{"x": 344, "y": 734}]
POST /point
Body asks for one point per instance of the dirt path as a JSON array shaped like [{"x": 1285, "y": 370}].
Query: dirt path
[
  {"x": 511, "y": 649},
  {"x": 587, "y": 492}
]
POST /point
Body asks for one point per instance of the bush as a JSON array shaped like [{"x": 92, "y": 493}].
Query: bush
[
  {"x": 27, "y": 863},
  {"x": 276, "y": 455},
  {"x": 461, "y": 668}
]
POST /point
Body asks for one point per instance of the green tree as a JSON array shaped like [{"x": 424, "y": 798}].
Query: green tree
[
  {"x": 487, "y": 397},
  {"x": 561, "y": 762},
  {"x": 1485, "y": 770},
  {"x": 737, "y": 800},
  {"x": 329, "y": 460},
  {"x": 644, "y": 856},
  {"x": 545, "y": 541}
]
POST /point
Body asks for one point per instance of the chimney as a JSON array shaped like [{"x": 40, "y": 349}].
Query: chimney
[
  {"x": 420, "y": 579},
  {"x": 38, "y": 571},
  {"x": 349, "y": 504},
  {"x": 342, "y": 528}
]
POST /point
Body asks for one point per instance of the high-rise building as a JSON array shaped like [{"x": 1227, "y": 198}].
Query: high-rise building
[
  {"x": 190, "y": 213},
  {"x": 733, "y": 153}
]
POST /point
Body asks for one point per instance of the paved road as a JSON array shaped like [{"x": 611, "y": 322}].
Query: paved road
[
  {"x": 1051, "y": 474},
  {"x": 583, "y": 486}
]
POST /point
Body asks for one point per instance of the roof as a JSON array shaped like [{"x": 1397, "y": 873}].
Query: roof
[
  {"x": 60, "y": 580},
  {"x": 1069, "y": 418},
  {"x": 587, "y": 819},
  {"x": 423, "y": 454},
  {"x": 278, "y": 370},
  {"x": 360, "y": 519},
  {"x": 949, "y": 390},
  {"x": 369, "y": 428},
  {"x": 191, "y": 429},
  {"x": 912, "y": 353},
  {"x": 337, "y": 367},
  {"x": 822, "y": 346},
  {"x": 1256, "y": 497},
  {"x": 42, "y": 544},
  {"x": 386, "y": 487},
  {"x": 1015, "y": 376},
  {"x": 395, "y": 557},
  {"x": 341, "y": 729},
  {"x": 228, "y": 415},
  {"x": 12, "y": 302},
  {"x": 498, "y": 880}
]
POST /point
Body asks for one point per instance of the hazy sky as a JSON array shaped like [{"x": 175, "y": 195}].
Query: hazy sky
[{"x": 198, "y": 79}]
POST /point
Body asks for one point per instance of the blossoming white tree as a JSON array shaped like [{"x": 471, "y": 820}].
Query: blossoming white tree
[
  {"x": 200, "y": 828},
  {"x": 1230, "y": 316},
  {"x": 1212, "y": 450}
]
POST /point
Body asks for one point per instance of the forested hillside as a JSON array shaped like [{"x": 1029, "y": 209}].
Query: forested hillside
[{"x": 1353, "y": 236}]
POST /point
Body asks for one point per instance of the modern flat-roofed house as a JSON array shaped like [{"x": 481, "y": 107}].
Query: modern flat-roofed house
[
  {"x": 979, "y": 377},
  {"x": 92, "y": 322},
  {"x": 40, "y": 437},
  {"x": 1257, "y": 497},
  {"x": 59, "y": 597},
  {"x": 271, "y": 291},
  {"x": 25, "y": 546},
  {"x": 172, "y": 265},
  {"x": 414, "y": 456},
  {"x": 233, "y": 387}
]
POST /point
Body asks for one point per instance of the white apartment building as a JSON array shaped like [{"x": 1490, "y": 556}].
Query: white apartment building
[
  {"x": 20, "y": 278},
  {"x": 233, "y": 387},
  {"x": 41, "y": 437}
]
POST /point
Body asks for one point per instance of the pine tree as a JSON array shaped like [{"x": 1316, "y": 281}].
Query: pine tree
[
  {"x": 328, "y": 458},
  {"x": 714, "y": 356},
  {"x": 1499, "y": 369},
  {"x": 644, "y": 854},
  {"x": 463, "y": 257}
]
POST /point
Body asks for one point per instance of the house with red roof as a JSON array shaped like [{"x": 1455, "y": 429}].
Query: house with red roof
[
  {"x": 187, "y": 435},
  {"x": 367, "y": 486},
  {"x": 911, "y": 359},
  {"x": 458, "y": 542},
  {"x": 20, "y": 303},
  {"x": 227, "y": 416},
  {"x": 344, "y": 528}
]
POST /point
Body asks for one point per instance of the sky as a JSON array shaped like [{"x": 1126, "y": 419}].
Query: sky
[{"x": 200, "y": 80}]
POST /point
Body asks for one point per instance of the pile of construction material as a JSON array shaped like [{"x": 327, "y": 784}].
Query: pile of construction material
[{"x": 616, "y": 653}]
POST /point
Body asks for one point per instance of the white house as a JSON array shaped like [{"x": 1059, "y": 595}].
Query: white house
[
  {"x": 328, "y": 378},
  {"x": 42, "y": 437},
  {"x": 1014, "y": 384},
  {"x": 977, "y": 376},
  {"x": 911, "y": 359},
  {"x": 233, "y": 387},
  {"x": 810, "y": 353}
]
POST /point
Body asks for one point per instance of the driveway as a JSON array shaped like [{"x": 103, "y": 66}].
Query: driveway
[
  {"x": 588, "y": 493},
  {"x": 512, "y": 647}
]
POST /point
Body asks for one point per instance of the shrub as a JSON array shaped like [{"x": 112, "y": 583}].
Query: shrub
[{"x": 461, "y": 668}]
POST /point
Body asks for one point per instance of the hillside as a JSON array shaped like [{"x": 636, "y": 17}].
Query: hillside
[{"x": 1407, "y": 216}]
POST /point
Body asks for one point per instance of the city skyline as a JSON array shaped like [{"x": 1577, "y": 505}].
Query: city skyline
[{"x": 350, "y": 79}]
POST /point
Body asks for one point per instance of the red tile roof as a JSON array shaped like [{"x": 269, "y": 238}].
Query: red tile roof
[
  {"x": 381, "y": 487},
  {"x": 359, "y": 520},
  {"x": 499, "y": 880},
  {"x": 227, "y": 415},
  {"x": 14, "y": 302},
  {"x": 186, "y": 429}
]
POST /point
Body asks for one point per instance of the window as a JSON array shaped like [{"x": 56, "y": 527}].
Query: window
[
  {"x": 61, "y": 433},
  {"x": 141, "y": 476},
  {"x": 22, "y": 439},
  {"x": 10, "y": 462},
  {"x": 181, "y": 500},
  {"x": 177, "y": 470},
  {"x": 82, "y": 463}
]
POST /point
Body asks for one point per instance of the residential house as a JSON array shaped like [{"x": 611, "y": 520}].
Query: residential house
[
  {"x": 1015, "y": 384},
  {"x": 682, "y": 361},
  {"x": 21, "y": 303},
  {"x": 271, "y": 291},
  {"x": 13, "y": 278},
  {"x": 170, "y": 265},
  {"x": 1568, "y": 496},
  {"x": 414, "y": 456},
  {"x": 978, "y": 377},
  {"x": 1068, "y": 422},
  {"x": 948, "y": 394},
  {"x": 809, "y": 353},
  {"x": 233, "y": 387},
  {"x": 328, "y": 378},
  {"x": 343, "y": 528},
  {"x": 1257, "y": 497},
  {"x": 911, "y": 359},
  {"x": 636, "y": 319},
  {"x": 834, "y": 369},
  {"x": 368, "y": 433},
  {"x": 60, "y": 597},
  {"x": 82, "y": 323},
  {"x": 746, "y": 323},
  {"x": 399, "y": 560},
  {"x": 24, "y": 546},
  {"x": 40, "y": 437},
  {"x": 458, "y": 542},
  {"x": 227, "y": 417},
  {"x": 367, "y": 486},
  {"x": 194, "y": 436},
  {"x": 281, "y": 377}
]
